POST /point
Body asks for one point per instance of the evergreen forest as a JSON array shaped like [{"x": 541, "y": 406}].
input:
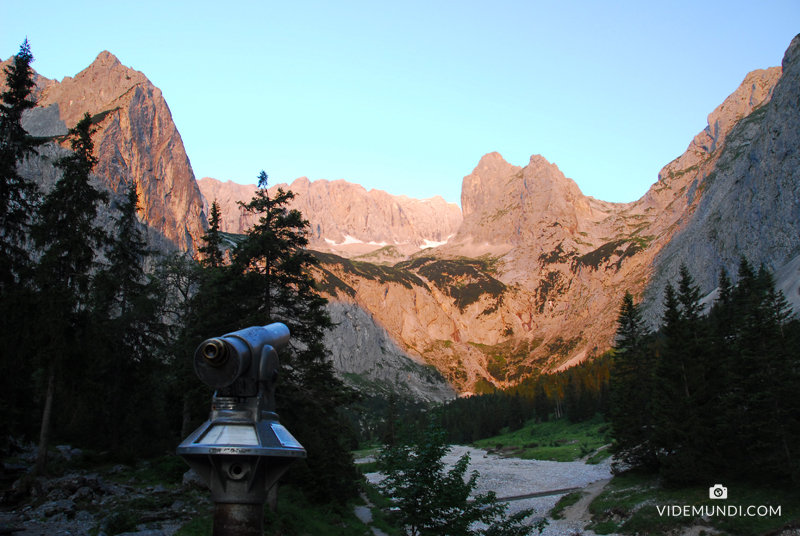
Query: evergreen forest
[
  {"x": 711, "y": 394},
  {"x": 98, "y": 330},
  {"x": 577, "y": 394}
]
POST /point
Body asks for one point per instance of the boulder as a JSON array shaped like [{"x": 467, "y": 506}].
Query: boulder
[
  {"x": 192, "y": 480},
  {"x": 55, "y": 507}
]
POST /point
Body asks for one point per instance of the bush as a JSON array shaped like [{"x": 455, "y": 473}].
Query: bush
[{"x": 432, "y": 501}]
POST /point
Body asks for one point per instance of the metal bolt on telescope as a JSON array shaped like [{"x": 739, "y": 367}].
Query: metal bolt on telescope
[{"x": 242, "y": 450}]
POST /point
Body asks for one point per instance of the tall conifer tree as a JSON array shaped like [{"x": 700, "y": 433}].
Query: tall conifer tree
[
  {"x": 681, "y": 395},
  {"x": 182, "y": 277},
  {"x": 18, "y": 199},
  {"x": 18, "y": 196},
  {"x": 127, "y": 319},
  {"x": 67, "y": 237},
  {"x": 631, "y": 383},
  {"x": 764, "y": 399},
  {"x": 211, "y": 250}
]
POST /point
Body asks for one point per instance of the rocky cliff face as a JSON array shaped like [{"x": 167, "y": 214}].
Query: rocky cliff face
[
  {"x": 742, "y": 186},
  {"x": 368, "y": 359},
  {"x": 136, "y": 141},
  {"x": 505, "y": 204},
  {"x": 529, "y": 282},
  {"x": 347, "y": 218},
  {"x": 534, "y": 277},
  {"x": 227, "y": 195}
]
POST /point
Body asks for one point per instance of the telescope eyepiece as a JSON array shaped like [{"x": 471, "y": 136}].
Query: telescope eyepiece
[{"x": 215, "y": 352}]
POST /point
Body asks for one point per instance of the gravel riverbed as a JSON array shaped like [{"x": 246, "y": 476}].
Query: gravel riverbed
[{"x": 509, "y": 477}]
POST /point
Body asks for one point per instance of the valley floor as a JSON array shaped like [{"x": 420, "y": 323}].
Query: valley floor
[{"x": 509, "y": 477}]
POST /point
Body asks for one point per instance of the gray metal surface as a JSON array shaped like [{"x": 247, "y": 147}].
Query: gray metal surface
[
  {"x": 242, "y": 450},
  {"x": 238, "y": 520}
]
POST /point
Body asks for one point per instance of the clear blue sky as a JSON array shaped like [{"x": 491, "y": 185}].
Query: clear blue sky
[{"x": 407, "y": 96}]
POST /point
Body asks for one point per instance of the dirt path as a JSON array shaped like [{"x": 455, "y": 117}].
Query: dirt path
[
  {"x": 364, "y": 514},
  {"x": 577, "y": 516}
]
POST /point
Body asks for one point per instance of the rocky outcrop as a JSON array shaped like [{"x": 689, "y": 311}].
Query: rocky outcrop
[
  {"x": 367, "y": 358},
  {"x": 136, "y": 142},
  {"x": 535, "y": 275},
  {"x": 228, "y": 195},
  {"x": 505, "y": 204},
  {"x": 530, "y": 279},
  {"x": 420, "y": 315},
  {"x": 50, "y": 505},
  {"x": 743, "y": 196},
  {"x": 345, "y": 217}
]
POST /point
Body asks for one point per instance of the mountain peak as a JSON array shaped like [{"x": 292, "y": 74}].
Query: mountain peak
[
  {"x": 755, "y": 91},
  {"x": 494, "y": 156},
  {"x": 98, "y": 88},
  {"x": 541, "y": 165},
  {"x": 106, "y": 59},
  {"x": 792, "y": 53},
  {"x": 132, "y": 119},
  {"x": 483, "y": 182}
]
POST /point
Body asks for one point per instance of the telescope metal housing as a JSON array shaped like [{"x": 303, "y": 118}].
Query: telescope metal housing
[
  {"x": 236, "y": 358},
  {"x": 242, "y": 450}
]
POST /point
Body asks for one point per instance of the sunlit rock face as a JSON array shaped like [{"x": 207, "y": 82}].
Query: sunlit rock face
[
  {"x": 346, "y": 218},
  {"x": 136, "y": 142},
  {"x": 743, "y": 198},
  {"x": 534, "y": 277},
  {"x": 530, "y": 277}
]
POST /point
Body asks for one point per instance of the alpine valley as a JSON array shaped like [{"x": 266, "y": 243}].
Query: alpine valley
[{"x": 430, "y": 300}]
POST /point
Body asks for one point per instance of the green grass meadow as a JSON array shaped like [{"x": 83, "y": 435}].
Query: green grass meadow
[{"x": 556, "y": 440}]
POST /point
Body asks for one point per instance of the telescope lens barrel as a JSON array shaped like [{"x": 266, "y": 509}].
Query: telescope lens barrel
[
  {"x": 215, "y": 352},
  {"x": 221, "y": 361}
]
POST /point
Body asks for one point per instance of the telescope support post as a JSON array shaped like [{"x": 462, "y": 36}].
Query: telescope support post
[
  {"x": 238, "y": 519},
  {"x": 242, "y": 450}
]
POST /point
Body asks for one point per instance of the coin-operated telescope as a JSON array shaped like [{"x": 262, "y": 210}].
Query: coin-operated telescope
[{"x": 242, "y": 450}]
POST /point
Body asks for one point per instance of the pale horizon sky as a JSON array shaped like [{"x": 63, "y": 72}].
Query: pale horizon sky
[{"x": 407, "y": 97}]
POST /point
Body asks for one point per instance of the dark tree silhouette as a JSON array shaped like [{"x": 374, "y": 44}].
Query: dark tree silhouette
[{"x": 67, "y": 237}]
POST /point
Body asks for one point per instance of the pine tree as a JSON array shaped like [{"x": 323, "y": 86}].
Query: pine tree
[
  {"x": 127, "y": 320},
  {"x": 182, "y": 278},
  {"x": 674, "y": 390},
  {"x": 433, "y": 501},
  {"x": 212, "y": 249},
  {"x": 67, "y": 237},
  {"x": 631, "y": 385},
  {"x": 541, "y": 404},
  {"x": 389, "y": 435},
  {"x": 268, "y": 280},
  {"x": 687, "y": 389},
  {"x": 516, "y": 417},
  {"x": 18, "y": 200},
  {"x": 720, "y": 354},
  {"x": 764, "y": 400},
  {"x": 18, "y": 196},
  {"x": 572, "y": 399}
]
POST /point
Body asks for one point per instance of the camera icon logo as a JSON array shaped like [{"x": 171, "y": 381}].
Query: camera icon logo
[{"x": 718, "y": 491}]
